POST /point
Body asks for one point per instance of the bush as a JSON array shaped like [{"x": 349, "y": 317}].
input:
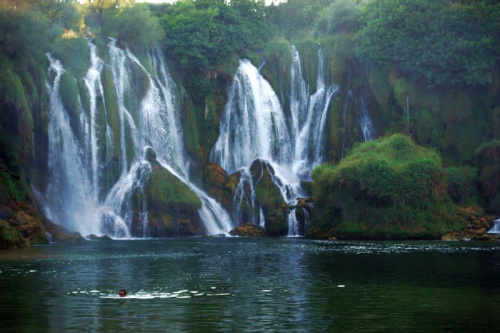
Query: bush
[{"x": 384, "y": 185}]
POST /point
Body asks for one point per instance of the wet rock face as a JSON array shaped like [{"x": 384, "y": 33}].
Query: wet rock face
[
  {"x": 261, "y": 168},
  {"x": 218, "y": 185},
  {"x": 150, "y": 155},
  {"x": 23, "y": 226},
  {"x": 247, "y": 193},
  {"x": 167, "y": 204}
]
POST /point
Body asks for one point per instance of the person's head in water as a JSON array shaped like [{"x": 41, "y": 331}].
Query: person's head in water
[{"x": 123, "y": 293}]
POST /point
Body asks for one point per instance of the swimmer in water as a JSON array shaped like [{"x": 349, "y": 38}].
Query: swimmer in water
[{"x": 123, "y": 293}]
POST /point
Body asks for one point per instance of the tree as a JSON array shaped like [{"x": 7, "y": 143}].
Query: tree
[
  {"x": 25, "y": 30},
  {"x": 134, "y": 25},
  {"x": 441, "y": 42},
  {"x": 96, "y": 10},
  {"x": 340, "y": 16}
]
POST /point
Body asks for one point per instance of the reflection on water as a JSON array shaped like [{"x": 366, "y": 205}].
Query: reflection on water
[{"x": 236, "y": 284}]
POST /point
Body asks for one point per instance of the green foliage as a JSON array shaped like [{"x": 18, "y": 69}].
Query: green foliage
[
  {"x": 278, "y": 54},
  {"x": 339, "y": 50},
  {"x": 296, "y": 18},
  {"x": 386, "y": 183},
  {"x": 204, "y": 37},
  {"x": 340, "y": 16},
  {"x": 134, "y": 25},
  {"x": 441, "y": 42},
  {"x": 308, "y": 50},
  {"x": 25, "y": 32},
  {"x": 201, "y": 34},
  {"x": 10, "y": 237},
  {"x": 462, "y": 184},
  {"x": 74, "y": 53}
]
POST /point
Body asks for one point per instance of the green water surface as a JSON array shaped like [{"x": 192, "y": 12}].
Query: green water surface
[{"x": 251, "y": 285}]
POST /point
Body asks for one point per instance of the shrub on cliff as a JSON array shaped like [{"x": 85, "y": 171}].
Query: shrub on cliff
[{"x": 386, "y": 188}]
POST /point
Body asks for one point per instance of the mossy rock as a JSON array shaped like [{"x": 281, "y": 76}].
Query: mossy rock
[
  {"x": 276, "y": 223},
  {"x": 248, "y": 230},
  {"x": 70, "y": 100},
  {"x": 172, "y": 206},
  {"x": 10, "y": 237},
  {"x": 30, "y": 227},
  {"x": 60, "y": 234},
  {"x": 215, "y": 180},
  {"x": 268, "y": 196},
  {"x": 164, "y": 190},
  {"x": 74, "y": 53}
]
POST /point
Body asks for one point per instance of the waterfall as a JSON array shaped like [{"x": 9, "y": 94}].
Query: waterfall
[
  {"x": 310, "y": 133},
  {"x": 241, "y": 196},
  {"x": 253, "y": 126},
  {"x": 299, "y": 97},
  {"x": 495, "y": 229},
  {"x": 70, "y": 195},
  {"x": 145, "y": 119},
  {"x": 365, "y": 122}
]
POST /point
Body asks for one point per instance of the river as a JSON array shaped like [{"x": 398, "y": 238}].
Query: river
[{"x": 251, "y": 285}]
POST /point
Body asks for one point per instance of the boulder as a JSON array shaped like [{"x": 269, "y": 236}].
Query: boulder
[
  {"x": 171, "y": 206},
  {"x": 99, "y": 238},
  {"x": 268, "y": 196},
  {"x": 474, "y": 227},
  {"x": 60, "y": 234},
  {"x": 216, "y": 183},
  {"x": 248, "y": 230}
]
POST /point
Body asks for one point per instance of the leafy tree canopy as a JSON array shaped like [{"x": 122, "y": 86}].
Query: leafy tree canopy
[
  {"x": 201, "y": 34},
  {"x": 440, "y": 41},
  {"x": 27, "y": 27}
]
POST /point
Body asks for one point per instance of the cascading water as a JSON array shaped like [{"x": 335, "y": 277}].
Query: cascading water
[
  {"x": 495, "y": 229},
  {"x": 253, "y": 126},
  {"x": 365, "y": 122},
  {"x": 310, "y": 132},
  {"x": 76, "y": 159},
  {"x": 299, "y": 97},
  {"x": 70, "y": 195}
]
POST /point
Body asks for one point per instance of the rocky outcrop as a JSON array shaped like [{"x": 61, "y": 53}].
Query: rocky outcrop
[
  {"x": 26, "y": 226},
  {"x": 475, "y": 227},
  {"x": 171, "y": 206},
  {"x": 21, "y": 224},
  {"x": 248, "y": 230},
  {"x": 99, "y": 238},
  {"x": 246, "y": 193},
  {"x": 218, "y": 185},
  {"x": 268, "y": 196}
]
